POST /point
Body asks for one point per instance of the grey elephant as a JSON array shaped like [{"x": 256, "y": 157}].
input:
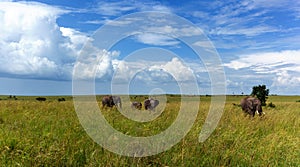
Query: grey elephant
[
  {"x": 136, "y": 105},
  {"x": 111, "y": 101},
  {"x": 150, "y": 104},
  {"x": 250, "y": 105}
]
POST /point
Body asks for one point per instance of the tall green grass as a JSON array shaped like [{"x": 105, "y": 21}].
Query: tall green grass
[{"x": 48, "y": 133}]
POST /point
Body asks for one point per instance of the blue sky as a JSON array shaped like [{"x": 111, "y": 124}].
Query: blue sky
[{"x": 41, "y": 42}]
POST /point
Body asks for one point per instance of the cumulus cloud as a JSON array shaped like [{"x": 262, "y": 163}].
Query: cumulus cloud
[
  {"x": 124, "y": 71},
  {"x": 177, "y": 69},
  {"x": 151, "y": 72},
  {"x": 76, "y": 39},
  {"x": 283, "y": 67},
  {"x": 94, "y": 63},
  {"x": 284, "y": 78},
  {"x": 33, "y": 45}
]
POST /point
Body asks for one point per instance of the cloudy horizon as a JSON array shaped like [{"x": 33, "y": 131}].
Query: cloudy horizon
[{"x": 41, "y": 43}]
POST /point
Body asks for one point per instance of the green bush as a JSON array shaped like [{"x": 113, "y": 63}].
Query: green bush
[{"x": 271, "y": 105}]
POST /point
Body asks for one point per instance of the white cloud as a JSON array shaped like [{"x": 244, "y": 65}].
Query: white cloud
[
  {"x": 282, "y": 67},
  {"x": 276, "y": 4},
  {"x": 122, "y": 22},
  {"x": 166, "y": 35},
  {"x": 175, "y": 30},
  {"x": 110, "y": 22},
  {"x": 122, "y": 7},
  {"x": 33, "y": 45},
  {"x": 75, "y": 38},
  {"x": 95, "y": 64},
  {"x": 239, "y": 30},
  {"x": 177, "y": 69},
  {"x": 151, "y": 72},
  {"x": 156, "y": 39},
  {"x": 114, "y": 8},
  {"x": 286, "y": 79},
  {"x": 124, "y": 71},
  {"x": 206, "y": 45},
  {"x": 200, "y": 14},
  {"x": 247, "y": 18},
  {"x": 273, "y": 60},
  {"x": 160, "y": 8}
]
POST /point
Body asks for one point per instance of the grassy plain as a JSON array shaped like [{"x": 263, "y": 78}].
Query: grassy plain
[{"x": 34, "y": 133}]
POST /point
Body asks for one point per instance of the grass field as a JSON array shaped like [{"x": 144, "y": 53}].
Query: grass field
[{"x": 48, "y": 133}]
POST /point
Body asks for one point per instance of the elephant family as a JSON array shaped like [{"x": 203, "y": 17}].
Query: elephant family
[
  {"x": 111, "y": 101},
  {"x": 250, "y": 105},
  {"x": 150, "y": 104},
  {"x": 136, "y": 105}
]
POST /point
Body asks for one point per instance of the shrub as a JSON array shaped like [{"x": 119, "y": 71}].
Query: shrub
[
  {"x": 40, "y": 99},
  {"x": 61, "y": 99},
  {"x": 271, "y": 105}
]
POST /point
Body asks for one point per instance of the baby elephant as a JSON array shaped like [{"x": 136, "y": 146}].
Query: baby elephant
[
  {"x": 150, "y": 104},
  {"x": 136, "y": 105}
]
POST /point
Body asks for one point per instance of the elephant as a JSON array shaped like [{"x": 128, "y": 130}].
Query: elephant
[
  {"x": 107, "y": 101},
  {"x": 250, "y": 105},
  {"x": 111, "y": 101},
  {"x": 150, "y": 104},
  {"x": 136, "y": 105}
]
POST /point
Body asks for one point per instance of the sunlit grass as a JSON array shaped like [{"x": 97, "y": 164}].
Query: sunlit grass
[{"x": 48, "y": 133}]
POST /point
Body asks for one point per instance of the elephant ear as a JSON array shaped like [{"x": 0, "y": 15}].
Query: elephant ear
[
  {"x": 250, "y": 104},
  {"x": 146, "y": 103},
  {"x": 244, "y": 103},
  {"x": 156, "y": 103}
]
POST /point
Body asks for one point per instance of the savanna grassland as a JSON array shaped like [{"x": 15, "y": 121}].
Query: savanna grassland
[{"x": 48, "y": 133}]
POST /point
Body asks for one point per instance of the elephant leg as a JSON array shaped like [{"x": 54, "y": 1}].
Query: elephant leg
[
  {"x": 258, "y": 113},
  {"x": 103, "y": 105},
  {"x": 252, "y": 113}
]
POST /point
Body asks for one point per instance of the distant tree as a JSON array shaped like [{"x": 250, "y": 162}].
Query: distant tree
[{"x": 261, "y": 92}]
